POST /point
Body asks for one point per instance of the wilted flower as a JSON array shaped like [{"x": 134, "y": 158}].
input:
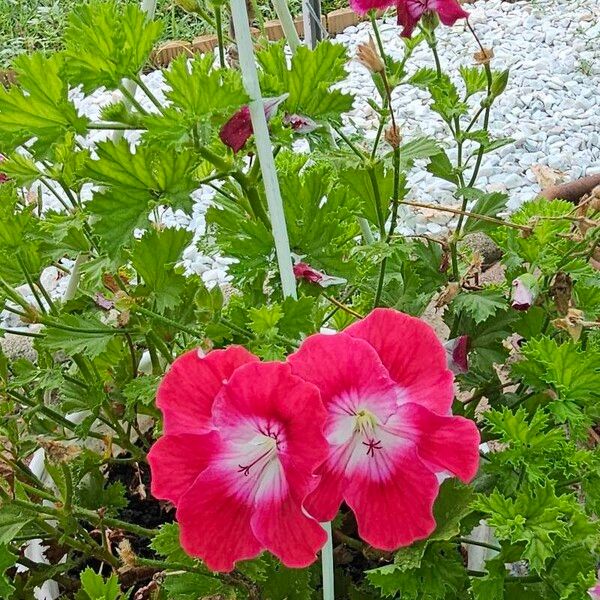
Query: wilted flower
[
  {"x": 307, "y": 273},
  {"x": 368, "y": 57},
  {"x": 238, "y": 130},
  {"x": 300, "y": 123},
  {"x": 525, "y": 290},
  {"x": 392, "y": 136},
  {"x": 241, "y": 441},
  {"x": 388, "y": 393},
  {"x": 457, "y": 353},
  {"x": 483, "y": 57},
  {"x": 411, "y": 11}
]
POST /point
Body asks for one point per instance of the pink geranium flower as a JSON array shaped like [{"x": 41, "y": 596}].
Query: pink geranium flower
[
  {"x": 388, "y": 392},
  {"x": 594, "y": 592},
  {"x": 241, "y": 441},
  {"x": 364, "y": 6},
  {"x": 411, "y": 11}
]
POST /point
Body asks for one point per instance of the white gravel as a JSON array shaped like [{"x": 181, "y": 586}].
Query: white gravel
[{"x": 551, "y": 108}]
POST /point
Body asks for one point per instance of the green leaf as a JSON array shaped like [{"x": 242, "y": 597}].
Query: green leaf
[
  {"x": 12, "y": 521},
  {"x": 39, "y": 106},
  {"x": 440, "y": 166},
  {"x": 453, "y": 504},
  {"x": 499, "y": 82},
  {"x": 78, "y": 334},
  {"x": 421, "y": 147},
  {"x": 538, "y": 518},
  {"x": 297, "y": 317},
  {"x": 7, "y": 560},
  {"x": 438, "y": 575},
  {"x": 282, "y": 583},
  {"x": 475, "y": 79},
  {"x": 162, "y": 176},
  {"x": 21, "y": 169},
  {"x": 490, "y": 587},
  {"x": 480, "y": 305},
  {"x": 489, "y": 204},
  {"x": 359, "y": 182},
  {"x": 166, "y": 543},
  {"x": 200, "y": 90},
  {"x": 154, "y": 257},
  {"x": 114, "y": 233},
  {"x": 190, "y": 586},
  {"x": 107, "y": 42},
  {"x": 95, "y": 587},
  {"x": 309, "y": 79}
]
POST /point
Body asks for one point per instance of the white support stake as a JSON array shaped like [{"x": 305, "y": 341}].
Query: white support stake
[
  {"x": 264, "y": 148},
  {"x": 287, "y": 24},
  {"x": 311, "y": 14}
]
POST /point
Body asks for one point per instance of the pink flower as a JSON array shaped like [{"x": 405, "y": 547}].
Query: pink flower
[
  {"x": 388, "y": 393},
  {"x": 364, "y": 6},
  {"x": 411, "y": 11},
  {"x": 241, "y": 441},
  {"x": 307, "y": 273},
  {"x": 238, "y": 130},
  {"x": 457, "y": 353}
]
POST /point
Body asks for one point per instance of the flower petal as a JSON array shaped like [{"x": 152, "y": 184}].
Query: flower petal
[
  {"x": 364, "y": 6},
  {"x": 349, "y": 375},
  {"x": 176, "y": 461},
  {"x": 187, "y": 392},
  {"x": 214, "y": 516},
  {"x": 280, "y": 524},
  {"x": 409, "y": 12},
  {"x": 449, "y": 11},
  {"x": 393, "y": 499},
  {"x": 412, "y": 354},
  {"x": 443, "y": 443}
]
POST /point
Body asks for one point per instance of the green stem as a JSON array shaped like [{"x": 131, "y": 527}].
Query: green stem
[
  {"x": 377, "y": 196},
  {"x": 140, "y": 82},
  {"x": 471, "y": 542},
  {"x": 131, "y": 97},
  {"x": 167, "y": 321},
  {"x": 219, "y": 25}
]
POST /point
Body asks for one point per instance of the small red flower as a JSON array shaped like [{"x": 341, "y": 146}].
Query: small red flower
[
  {"x": 388, "y": 393},
  {"x": 305, "y": 272},
  {"x": 411, "y": 11},
  {"x": 300, "y": 123},
  {"x": 241, "y": 441}
]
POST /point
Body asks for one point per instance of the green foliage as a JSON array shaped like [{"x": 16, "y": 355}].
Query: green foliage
[
  {"x": 95, "y": 587},
  {"x": 308, "y": 80},
  {"x": 106, "y": 43}
]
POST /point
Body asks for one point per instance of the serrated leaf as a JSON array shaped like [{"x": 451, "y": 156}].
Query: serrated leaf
[
  {"x": 107, "y": 42},
  {"x": 159, "y": 175},
  {"x": 480, "y": 306},
  {"x": 166, "y": 543},
  {"x": 95, "y": 587},
  {"x": 77, "y": 334},
  {"x": 39, "y": 106},
  {"x": 190, "y": 586},
  {"x": 489, "y": 204},
  {"x": 115, "y": 233},
  {"x": 308, "y": 80},
  {"x": 154, "y": 257},
  {"x": 440, "y": 166}
]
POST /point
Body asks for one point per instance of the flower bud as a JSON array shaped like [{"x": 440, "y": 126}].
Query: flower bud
[
  {"x": 305, "y": 272},
  {"x": 187, "y": 5},
  {"x": 368, "y": 57},
  {"x": 457, "y": 354},
  {"x": 483, "y": 57},
  {"x": 300, "y": 123},
  {"x": 525, "y": 290},
  {"x": 392, "y": 136},
  {"x": 3, "y": 176}
]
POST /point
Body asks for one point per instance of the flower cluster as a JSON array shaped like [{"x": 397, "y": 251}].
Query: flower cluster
[
  {"x": 410, "y": 11},
  {"x": 254, "y": 454}
]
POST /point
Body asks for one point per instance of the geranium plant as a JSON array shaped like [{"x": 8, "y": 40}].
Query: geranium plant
[{"x": 195, "y": 438}]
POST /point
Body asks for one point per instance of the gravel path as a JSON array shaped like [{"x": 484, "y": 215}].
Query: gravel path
[{"x": 551, "y": 109}]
